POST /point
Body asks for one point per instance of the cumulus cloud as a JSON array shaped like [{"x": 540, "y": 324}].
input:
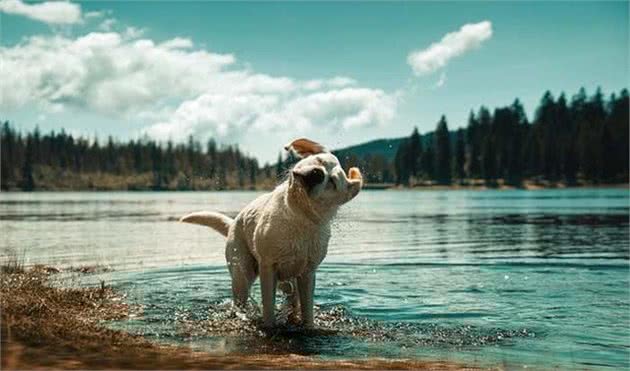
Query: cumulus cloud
[
  {"x": 470, "y": 36},
  {"x": 339, "y": 108},
  {"x": 51, "y": 12},
  {"x": 227, "y": 115},
  {"x": 176, "y": 88},
  {"x": 103, "y": 72},
  {"x": 217, "y": 115}
]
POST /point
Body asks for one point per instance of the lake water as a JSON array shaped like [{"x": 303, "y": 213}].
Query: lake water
[{"x": 535, "y": 279}]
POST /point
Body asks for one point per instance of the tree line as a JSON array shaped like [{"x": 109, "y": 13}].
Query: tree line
[
  {"x": 584, "y": 140},
  {"x": 61, "y": 161}
]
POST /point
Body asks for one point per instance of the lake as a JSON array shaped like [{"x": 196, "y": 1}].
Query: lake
[{"x": 535, "y": 279}]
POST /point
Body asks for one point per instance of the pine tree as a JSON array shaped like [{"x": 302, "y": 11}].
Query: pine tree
[
  {"x": 617, "y": 124},
  {"x": 253, "y": 169},
  {"x": 7, "y": 151},
  {"x": 442, "y": 152},
  {"x": 473, "y": 152},
  {"x": 414, "y": 153},
  {"x": 428, "y": 162},
  {"x": 401, "y": 163},
  {"x": 240, "y": 170},
  {"x": 546, "y": 127},
  {"x": 516, "y": 142},
  {"x": 28, "y": 182},
  {"x": 267, "y": 169},
  {"x": 279, "y": 167},
  {"x": 460, "y": 156},
  {"x": 488, "y": 166},
  {"x": 211, "y": 152}
]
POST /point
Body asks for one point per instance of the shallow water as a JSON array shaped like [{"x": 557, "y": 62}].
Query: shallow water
[{"x": 516, "y": 278}]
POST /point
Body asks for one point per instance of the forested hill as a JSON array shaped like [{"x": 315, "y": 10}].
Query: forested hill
[
  {"x": 581, "y": 140},
  {"x": 386, "y": 148}
]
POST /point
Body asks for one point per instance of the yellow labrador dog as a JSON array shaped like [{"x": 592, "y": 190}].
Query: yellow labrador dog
[{"x": 282, "y": 236}]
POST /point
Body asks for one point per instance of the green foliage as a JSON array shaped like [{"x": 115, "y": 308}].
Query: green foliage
[
  {"x": 586, "y": 140},
  {"x": 61, "y": 161},
  {"x": 459, "y": 159},
  {"x": 442, "y": 152}
]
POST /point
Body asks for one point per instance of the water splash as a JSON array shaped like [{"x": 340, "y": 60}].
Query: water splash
[{"x": 335, "y": 326}]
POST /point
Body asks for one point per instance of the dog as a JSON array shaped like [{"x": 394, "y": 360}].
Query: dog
[{"x": 283, "y": 236}]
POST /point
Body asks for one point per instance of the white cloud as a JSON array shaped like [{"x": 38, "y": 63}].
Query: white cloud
[
  {"x": 339, "y": 109},
  {"x": 213, "y": 114},
  {"x": 176, "y": 89},
  {"x": 341, "y": 81},
  {"x": 104, "y": 72},
  {"x": 51, "y": 12},
  {"x": 227, "y": 115},
  {"x": 470, "y": 36},
  {"x": 177, "y": 43}
]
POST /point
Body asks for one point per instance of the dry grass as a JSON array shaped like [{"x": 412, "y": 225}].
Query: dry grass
[
  {"x": 46, "y": 327},
  {"x": 12, "y": 264}
]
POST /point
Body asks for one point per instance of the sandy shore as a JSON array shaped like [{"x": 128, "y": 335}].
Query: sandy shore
[{"x": 45, "y": 327}]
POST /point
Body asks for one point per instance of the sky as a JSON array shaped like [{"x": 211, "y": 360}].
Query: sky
[{"x": 261, "y": 74}]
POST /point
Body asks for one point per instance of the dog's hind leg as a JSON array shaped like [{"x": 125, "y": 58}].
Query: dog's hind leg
[{"x": 243, "y": 270}]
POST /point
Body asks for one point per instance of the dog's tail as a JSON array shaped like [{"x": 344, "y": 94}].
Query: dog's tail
[{"x": 216, "y": 221}]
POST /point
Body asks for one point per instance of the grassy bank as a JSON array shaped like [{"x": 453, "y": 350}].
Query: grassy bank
[{"x": 56, "y": 327}]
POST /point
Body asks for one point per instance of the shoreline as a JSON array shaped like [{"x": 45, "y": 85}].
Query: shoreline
[
  {"x": 525, "y": 187},
  {"x": 368, "y": 186},
  {"x": 46, "y": 327}
]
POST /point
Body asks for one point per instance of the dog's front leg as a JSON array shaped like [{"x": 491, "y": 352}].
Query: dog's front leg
[
  {"x": 268, "y": 290},
  {"x": 306, "y": 289}
]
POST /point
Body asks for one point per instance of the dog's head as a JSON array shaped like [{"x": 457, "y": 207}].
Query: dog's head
[{"x": 319, "y": 176}]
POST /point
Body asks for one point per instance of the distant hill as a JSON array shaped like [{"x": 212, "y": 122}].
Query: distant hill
[{"x": 384, "y": 147}]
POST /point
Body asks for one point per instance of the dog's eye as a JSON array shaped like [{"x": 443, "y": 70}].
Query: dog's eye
[{"x": 313, "y": 178}]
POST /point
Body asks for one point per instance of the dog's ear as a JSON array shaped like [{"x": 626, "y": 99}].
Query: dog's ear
[{"x": 305, "y": 147}]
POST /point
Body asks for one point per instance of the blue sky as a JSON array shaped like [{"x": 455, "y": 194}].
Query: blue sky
[{"x": 259, "y": 74}]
